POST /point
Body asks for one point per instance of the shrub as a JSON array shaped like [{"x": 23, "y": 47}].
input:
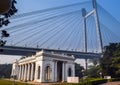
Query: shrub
[
  {"x": 97, "y": 81},
  {"x": 113, "y": 79},
  {"x": 92, "y": 81}
]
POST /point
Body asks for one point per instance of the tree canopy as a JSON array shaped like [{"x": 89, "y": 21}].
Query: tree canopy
[
  {"x": 5, "y": 70},
  {"x": 78, "y": 70},
  {"x": 110, "y": 62}
]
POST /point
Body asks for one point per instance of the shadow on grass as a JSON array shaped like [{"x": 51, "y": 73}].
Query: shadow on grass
[{"x": 9, "y": 82}]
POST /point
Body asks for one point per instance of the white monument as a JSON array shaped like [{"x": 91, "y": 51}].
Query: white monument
[{"x": 44, "y": 67}]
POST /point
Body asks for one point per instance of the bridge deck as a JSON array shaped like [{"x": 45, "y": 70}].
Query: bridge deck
[{"x": 25, "y": 51}]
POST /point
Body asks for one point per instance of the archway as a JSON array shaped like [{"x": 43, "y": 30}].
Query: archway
[{"x": 47, "y": 74}]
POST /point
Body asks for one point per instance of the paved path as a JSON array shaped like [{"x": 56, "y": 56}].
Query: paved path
[{"x": 112, "y": 83}]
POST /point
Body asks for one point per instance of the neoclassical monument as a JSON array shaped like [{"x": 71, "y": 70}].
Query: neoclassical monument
[{"x": 44, "y": 67}]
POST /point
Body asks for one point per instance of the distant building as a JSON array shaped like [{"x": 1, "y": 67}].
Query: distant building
[{"x": 44, "y": 67}]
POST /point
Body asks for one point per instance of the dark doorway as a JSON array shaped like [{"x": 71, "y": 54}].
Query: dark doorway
[
  {"x": 69, "y": 72},
  {"x": 59, "y": 71}
]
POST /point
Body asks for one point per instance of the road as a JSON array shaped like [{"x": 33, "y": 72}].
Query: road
[{"x": 112, "y": 83}]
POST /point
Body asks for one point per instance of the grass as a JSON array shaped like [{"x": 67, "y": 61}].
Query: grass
[
  {"x": 92, "y": 81},
  {"x": 7, "y": 82}
]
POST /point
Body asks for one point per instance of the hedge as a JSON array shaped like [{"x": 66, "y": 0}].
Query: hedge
[
  {"x": 97, "y": 81},
  {"x": 90, "y": 82},
  {"x": 113, "y": 79}
]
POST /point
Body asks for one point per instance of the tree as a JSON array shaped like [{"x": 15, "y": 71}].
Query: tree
[
  {"x": 116, "y": 61},
  {"x": 94, "y": 61},
  {"x": 110, "y": 62},
  {"x": 93, "y": 72},
  {"x": 78, "y": 70},
  {"x": 5, "y": 70},
  {"x": 7, "y": 9}
]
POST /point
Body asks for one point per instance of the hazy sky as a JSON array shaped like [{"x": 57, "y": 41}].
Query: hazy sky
[
  {"x": 23, "y": 6},
  {"x": 111, "y": 6}
]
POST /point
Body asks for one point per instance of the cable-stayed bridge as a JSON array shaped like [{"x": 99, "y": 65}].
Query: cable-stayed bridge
[{"x": 80, "y": 29}]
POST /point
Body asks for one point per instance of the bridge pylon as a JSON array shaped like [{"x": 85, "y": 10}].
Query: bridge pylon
[
  {"x": 85, "y": 15},
  {"x": 97, "y": 26}
]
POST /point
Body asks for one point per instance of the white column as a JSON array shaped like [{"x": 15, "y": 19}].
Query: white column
[
  {"x": 32, "y": 68},
  {"x": 73, "y": 69},
  {"x": 65, "y": 73},
  {"x": 36, "y": 72},
  {"x": 63, "y": 70},
  {"x": 19, "y": 77},
  {"x": 25, "y": 72},
  {"x": 41, "y": 73},
  {"x": 55, "y": 74},
  {"x": 12, "y": 71},
  {"x": 17, "y": 71},
  {"x": 22, "y": 76},
  {"x": 28, "y": 72}
]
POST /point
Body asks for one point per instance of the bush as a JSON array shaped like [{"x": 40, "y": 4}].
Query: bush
[
  {"x": 89, "y": 81},
  {"x": 97, "y": 81}
]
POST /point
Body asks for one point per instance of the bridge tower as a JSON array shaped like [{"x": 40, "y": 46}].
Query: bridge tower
[
  {"x": 85, "y": 15},
  {"x": 97, "y": 26}
]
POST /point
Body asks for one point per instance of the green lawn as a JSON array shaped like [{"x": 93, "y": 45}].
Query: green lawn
[{"x": 7, "y": 82}]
